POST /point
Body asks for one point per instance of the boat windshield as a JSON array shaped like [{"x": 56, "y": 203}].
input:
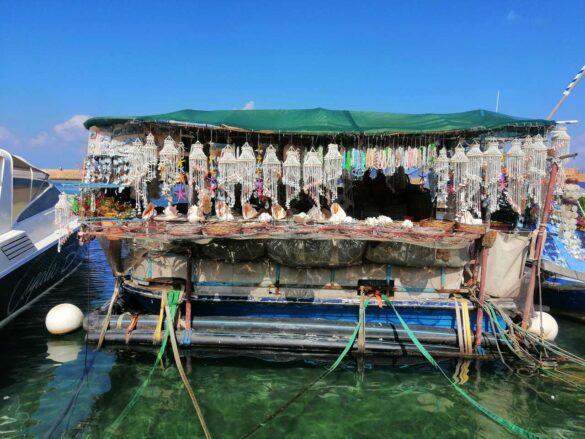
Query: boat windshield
[{"x": 27, "y": 184}]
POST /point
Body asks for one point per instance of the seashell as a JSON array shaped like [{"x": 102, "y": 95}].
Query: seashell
[
  {"x": 278, "y": 213},
  {"x": 315, "y": 214},
  {"x": 194, "y": 215},
  {"x": 348, "y": 220},
  {"x": 205, "y": 202},
  {"x": 383, "y": 220},
  {"x": 149, "y": 212},
  {"x": 265, "y": 218},
  {"x": 336, "y": 209},
  {"x": 301, "y": 218},
  {"x": 248, "y": 212},
  {"x": 372, "y": 221},
  {"x": 171, "y": 211},
  {"x": 222, "y": 210},
  {"x": 407, "y": 224}
]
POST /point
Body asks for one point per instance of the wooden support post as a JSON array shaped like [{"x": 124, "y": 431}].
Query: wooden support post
[
  {"x": 546, "y": 210},
  {"x": 106, "y": 321},
  {"x": 188, "y": 290},
  {"x": 482, "y": 280},
  {"x": 362, "y": 329}
]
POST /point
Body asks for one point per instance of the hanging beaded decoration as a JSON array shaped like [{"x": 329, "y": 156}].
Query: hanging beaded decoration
[
  {"x": 227, "y": 166},
  {"x": 332, "y": 170},
  {"x": 537, "y": 170},
  {"x": 442, "y": 172},
  {"x": 271, "y": 172},
  {"x": 312, "y": 175},
  {"x": 475, "y": 157},
  {"x": 515, "y": 168},
  {"x": 197, "y": 166},
  {"x": 493, "y": 171},
  {"x": 247, "y": 171},
  {"x": 63, "y": 218},
  {"x": 150, "y": 158},
  {"x": 136, "y": 170},
  {"x": 460, "y": 164},
  {"x": 169, "y": 163},
  {"x": 291, "y": 174}
]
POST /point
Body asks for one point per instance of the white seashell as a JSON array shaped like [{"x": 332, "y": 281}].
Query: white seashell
[
  {"x": 265, "y": 218},
  {"x": 194, "y": 215},
  {"x": 348, "y": 219},
  {"x": 407, "y": 224},
  {"x": 373, "y": 222},
  {"x": 248, "y": 212},
  {"x": 384, "y": 220},
  {"x": 171, "y": 211},
  {"x": 335, "y": 219},
  {"x": 301, "y": 218},
  {"x": 337, "y": 210},
  {"x": 315, "y": 214}
]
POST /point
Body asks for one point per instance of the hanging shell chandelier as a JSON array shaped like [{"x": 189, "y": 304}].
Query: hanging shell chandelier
[
  {"x": 560, "y": 141},
  {"x": 312, "y": 175},
  {"x": 333, "y": 164},
  {"x": 460, "y": 164},
  {"x": 197, "y": 166},
  {"x": 136, "y": 170},
  {"x": 515, "y": 167},
  {"x": 442, "y": 171},
  {"x": 271, "y": 172},
  {"x": 169, "y": 163},
  {"x": 247, "y": 171},
  {"x": 493, "y": 171},
  {"x": 537, "y": 170},
  {"x": 291, "y": 174},
  {"x": 150, "y": 158},
  {"x": 474, "y": 178},
  {"x": 227, "y": 166}
]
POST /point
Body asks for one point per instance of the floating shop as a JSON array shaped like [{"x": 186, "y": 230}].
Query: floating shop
[{"x": 278, "y": 231}]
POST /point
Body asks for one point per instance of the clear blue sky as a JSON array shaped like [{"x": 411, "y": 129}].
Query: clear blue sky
[{"x": 62, "y": 61}]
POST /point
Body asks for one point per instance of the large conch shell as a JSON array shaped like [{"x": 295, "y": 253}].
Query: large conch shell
[
  {"x": 248, "y": 212},
  {"x": 171, "y": 212},
  {"x": 315, "y": 214},
  {"x": 194, "y": 215},
  {"x": 149, "y": 212},
  {"x": 338, "y": 211},
  {"x": 223, "y": 212},
  {"x": 301, "y": 218},
  {"x": 278, "y": 213},
  {"x": 204, "y": 202}
]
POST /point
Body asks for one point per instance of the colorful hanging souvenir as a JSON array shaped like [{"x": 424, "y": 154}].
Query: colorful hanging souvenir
[
  {"x": 228, "y": 169},
  {"x": 271, "y": 173},
  {"x": 515, "y": 168},
  {"x": 247, "y": 171},
  {"x": 197, "y": 166},
  {"x": 169, "y": 163},
  {"x": 493, "y": 171},
  {"x": 460, "y": 164},
  {"x": 442, "y": 173},
  {"x": 150, "y": 158},
  {"x": 63, "y": 218},
  {"x": 291, "y": 174},
  {"x": 312, "y": 175},
  {"x": 474, "y": 178},
  {"x": 333, "y": 163}
]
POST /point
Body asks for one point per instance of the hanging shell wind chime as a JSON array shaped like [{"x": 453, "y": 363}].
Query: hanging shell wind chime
[
  {"x": 169, "y": 163},
  {"x": 515, "y": 167},
  {"x": 537, "y": 170},
  {"x": 271, "y": 172},
  {"x": 474, "y": 178},
  {"x": 333, "y": 164},
  {"x": 442, "y": 172},
  {"x": 312, "y": 175},
  {"x": 63, "y": 218},
  {"x": 197, "y": 166},
  {"x": 227, "y": 166},
  {"x": 493, "y": 171},
  {"x": 247, "y": 171},
  {"x": 150, "y": 158},
  {"x": 560, "y": 141},
  {"x": 291, "y": 174},
  {"x": 136, "y": 170},
  {"x": 460, "y": 164}
]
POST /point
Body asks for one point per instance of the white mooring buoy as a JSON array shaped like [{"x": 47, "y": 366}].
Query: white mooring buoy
[
  {"x": 550, "y": 327},
  {"x": 63, "y": 318}
]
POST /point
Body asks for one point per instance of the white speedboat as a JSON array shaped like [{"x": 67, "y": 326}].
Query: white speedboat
[{"x": 30, "y": 263}]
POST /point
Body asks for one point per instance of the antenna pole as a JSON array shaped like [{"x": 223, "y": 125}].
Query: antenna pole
[
  {"x": 567, "y": 92},
  {"x": 498, "y": 101}
]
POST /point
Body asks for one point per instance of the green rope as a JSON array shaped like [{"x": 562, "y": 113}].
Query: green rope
[
  {"x": 173, "y": 301},
  {"x": 503, "y": 422},
  {"x": 301, "y": 392}
]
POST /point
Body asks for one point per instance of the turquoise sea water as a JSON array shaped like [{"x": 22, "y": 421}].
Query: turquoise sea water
[{"x": 44, "y": 392}]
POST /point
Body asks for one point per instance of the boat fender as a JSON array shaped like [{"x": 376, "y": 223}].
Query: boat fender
[
  {"x": 550, "y": 326},
  {"x": 63, "y": 319}
]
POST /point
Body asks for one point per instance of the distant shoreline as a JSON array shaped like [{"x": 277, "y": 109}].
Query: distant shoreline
[{"x": 65, "y": 174}]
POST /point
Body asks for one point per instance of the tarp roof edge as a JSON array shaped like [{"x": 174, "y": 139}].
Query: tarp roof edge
[{"x": 323, "y": 121}]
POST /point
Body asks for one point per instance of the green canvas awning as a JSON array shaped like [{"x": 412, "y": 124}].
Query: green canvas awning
[{"x": 322, "y": 121}]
